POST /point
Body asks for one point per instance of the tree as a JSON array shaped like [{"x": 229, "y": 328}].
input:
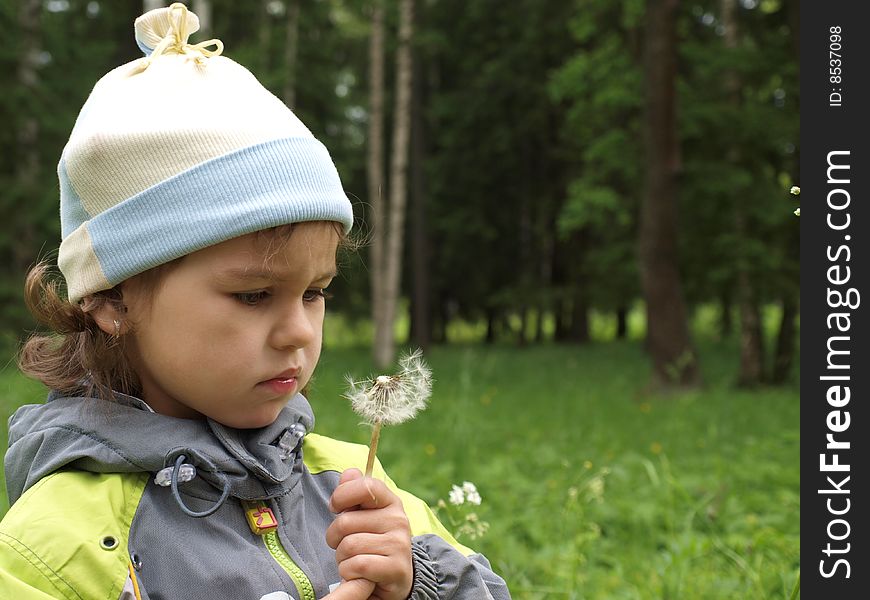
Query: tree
[
  {"x": 375, "y": 170},
  {"x": 290, "y": 53},
  {"x": 751, "y": 339},
  {"x": 421, "y": 322},
  {"x": 391, "y": 268},
  {"x": 27, "y": 155},
  {"x": 600, "y": 83},
  {"x": 674, "y": 358},
  {"x": 202, "y": 9}
]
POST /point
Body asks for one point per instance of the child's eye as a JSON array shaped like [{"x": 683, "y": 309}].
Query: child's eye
[
  {"x": 251, "y": 298},
  {"x": 316, "y": 294}
]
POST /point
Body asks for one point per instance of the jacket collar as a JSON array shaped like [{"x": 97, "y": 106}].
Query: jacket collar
[{"x": 127, "y": 436}]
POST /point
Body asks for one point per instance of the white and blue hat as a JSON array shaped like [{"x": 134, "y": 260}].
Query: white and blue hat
[{"x": 179, "y": 151}]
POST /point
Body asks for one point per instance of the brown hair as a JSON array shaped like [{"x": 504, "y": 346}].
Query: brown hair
[{"x": 79, "y": 357}]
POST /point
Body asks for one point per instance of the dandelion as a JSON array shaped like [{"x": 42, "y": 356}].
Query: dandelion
[{"x": 391, "y": 399}]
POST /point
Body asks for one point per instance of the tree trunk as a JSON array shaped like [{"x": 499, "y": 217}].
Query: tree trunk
[
  {"x": 539, "y": 323},
  {"x": 524, "y": 324},
  {"x": 384, "y": 334},
  {"x": 751, "y": 336},
  {"x": 421, "y": 320},
  {"x": 27, "y": 134},
  {"x": 579, "y": 331},
  {"x": 621, "y": 322},
  {"x": 264, "y": 38},
  {"x": 439, "y": 328},
  {"x": 785, "y": 341},
  {"x": 202, "y": 9},
  {"x": 674, "y": 358},
  {"x": 290, "y": 53},
  {"x": 726, "y": 323},
  {"x": 375, "y": 168},
  {"x": 491, "y": 318},
  {"x": 561, "y": 332}
]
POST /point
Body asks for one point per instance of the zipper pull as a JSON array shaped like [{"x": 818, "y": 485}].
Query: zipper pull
[{"x": 260, "y": 517}]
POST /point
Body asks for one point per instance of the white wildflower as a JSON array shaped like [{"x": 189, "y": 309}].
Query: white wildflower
[
  {"x": 795, "y": 190},
  {"x": 456, "y": 496},
  {"x": 797, "y": 212},
  {"x": 471, "y": 494}
]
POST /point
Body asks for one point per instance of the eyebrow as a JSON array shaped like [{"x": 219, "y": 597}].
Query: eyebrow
[{"x": 245, "y": 274}]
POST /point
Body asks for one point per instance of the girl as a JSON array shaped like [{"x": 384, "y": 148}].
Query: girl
[{"x": 173, "y": 459}]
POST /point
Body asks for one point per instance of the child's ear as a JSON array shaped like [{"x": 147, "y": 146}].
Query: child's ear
[{"x": 107, "y": 314}]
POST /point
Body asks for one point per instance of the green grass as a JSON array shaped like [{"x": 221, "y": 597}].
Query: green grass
[{"x": 591, "y": 488}]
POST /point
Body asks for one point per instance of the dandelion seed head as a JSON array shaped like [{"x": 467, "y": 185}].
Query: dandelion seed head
[{"x": 392, "y": 399}]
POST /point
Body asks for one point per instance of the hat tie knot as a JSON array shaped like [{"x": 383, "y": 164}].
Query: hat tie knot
[{"x": 172, "y": 26}]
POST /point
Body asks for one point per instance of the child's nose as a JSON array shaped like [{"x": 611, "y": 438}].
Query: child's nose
[{"x": 295, "y": 327}]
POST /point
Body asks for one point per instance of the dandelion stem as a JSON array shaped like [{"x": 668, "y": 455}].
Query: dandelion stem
[{"x": 373, "y": 448}]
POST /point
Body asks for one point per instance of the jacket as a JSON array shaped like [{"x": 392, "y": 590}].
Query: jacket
[{"x": 103, "y": 495}]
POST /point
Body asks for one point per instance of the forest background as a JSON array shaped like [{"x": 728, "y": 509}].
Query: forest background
[{"x": 582, "y": 202}]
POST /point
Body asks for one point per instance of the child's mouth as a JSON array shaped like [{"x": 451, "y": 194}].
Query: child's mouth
[{"x": 280, "y": 385}]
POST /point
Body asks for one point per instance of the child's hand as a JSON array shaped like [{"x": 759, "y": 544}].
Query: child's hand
[
  {"x": 355, "y": 589},
  {"x": 371, "y": 536}
]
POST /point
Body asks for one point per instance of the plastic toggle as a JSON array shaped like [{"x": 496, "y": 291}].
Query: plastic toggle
[
  {"x": 186, "y": 472},
  {"x": 289, "y": 440}
]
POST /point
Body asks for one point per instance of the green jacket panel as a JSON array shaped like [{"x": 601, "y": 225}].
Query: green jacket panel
[{"x": 53, "y": 549}]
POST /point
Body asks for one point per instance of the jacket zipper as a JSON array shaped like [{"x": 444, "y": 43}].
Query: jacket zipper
[{"x": 276, "y": 549}]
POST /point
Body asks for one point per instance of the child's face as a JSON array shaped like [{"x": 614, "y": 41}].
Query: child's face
[{"x": 219, "y": 343}]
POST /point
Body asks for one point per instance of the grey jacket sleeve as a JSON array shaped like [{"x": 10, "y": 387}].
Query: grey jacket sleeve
[{"x": 441, "y": 571}]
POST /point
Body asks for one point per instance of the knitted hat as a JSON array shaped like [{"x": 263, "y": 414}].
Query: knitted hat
[{"x": 179, "y": 151}]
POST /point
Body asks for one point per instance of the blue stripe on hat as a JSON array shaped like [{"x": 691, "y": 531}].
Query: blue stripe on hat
[
  {"x": 72, "y": 212},
  {"x": 258, "y": 187}
]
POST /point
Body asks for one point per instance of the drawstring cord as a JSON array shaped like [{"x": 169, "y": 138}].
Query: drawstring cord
[
  {"x": 175, "y": 41},
  {"x": 182, "y": 472},
  {"x": 173, "y": 482}
]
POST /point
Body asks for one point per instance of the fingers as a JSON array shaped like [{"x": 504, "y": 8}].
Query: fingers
[
  {"x": 352, "y": 589},
  {"x": 386, "y": 571},
  {"x": 371, "y": 536},
  {"x": 385, "y": 520},
  {"x": 393, "y": 543},
  {"x": 350, "y": 475},
  {"x": 354, "y": 490}
]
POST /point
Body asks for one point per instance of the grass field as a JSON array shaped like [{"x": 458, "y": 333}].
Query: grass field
[{"x": 591, "y": 488}]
